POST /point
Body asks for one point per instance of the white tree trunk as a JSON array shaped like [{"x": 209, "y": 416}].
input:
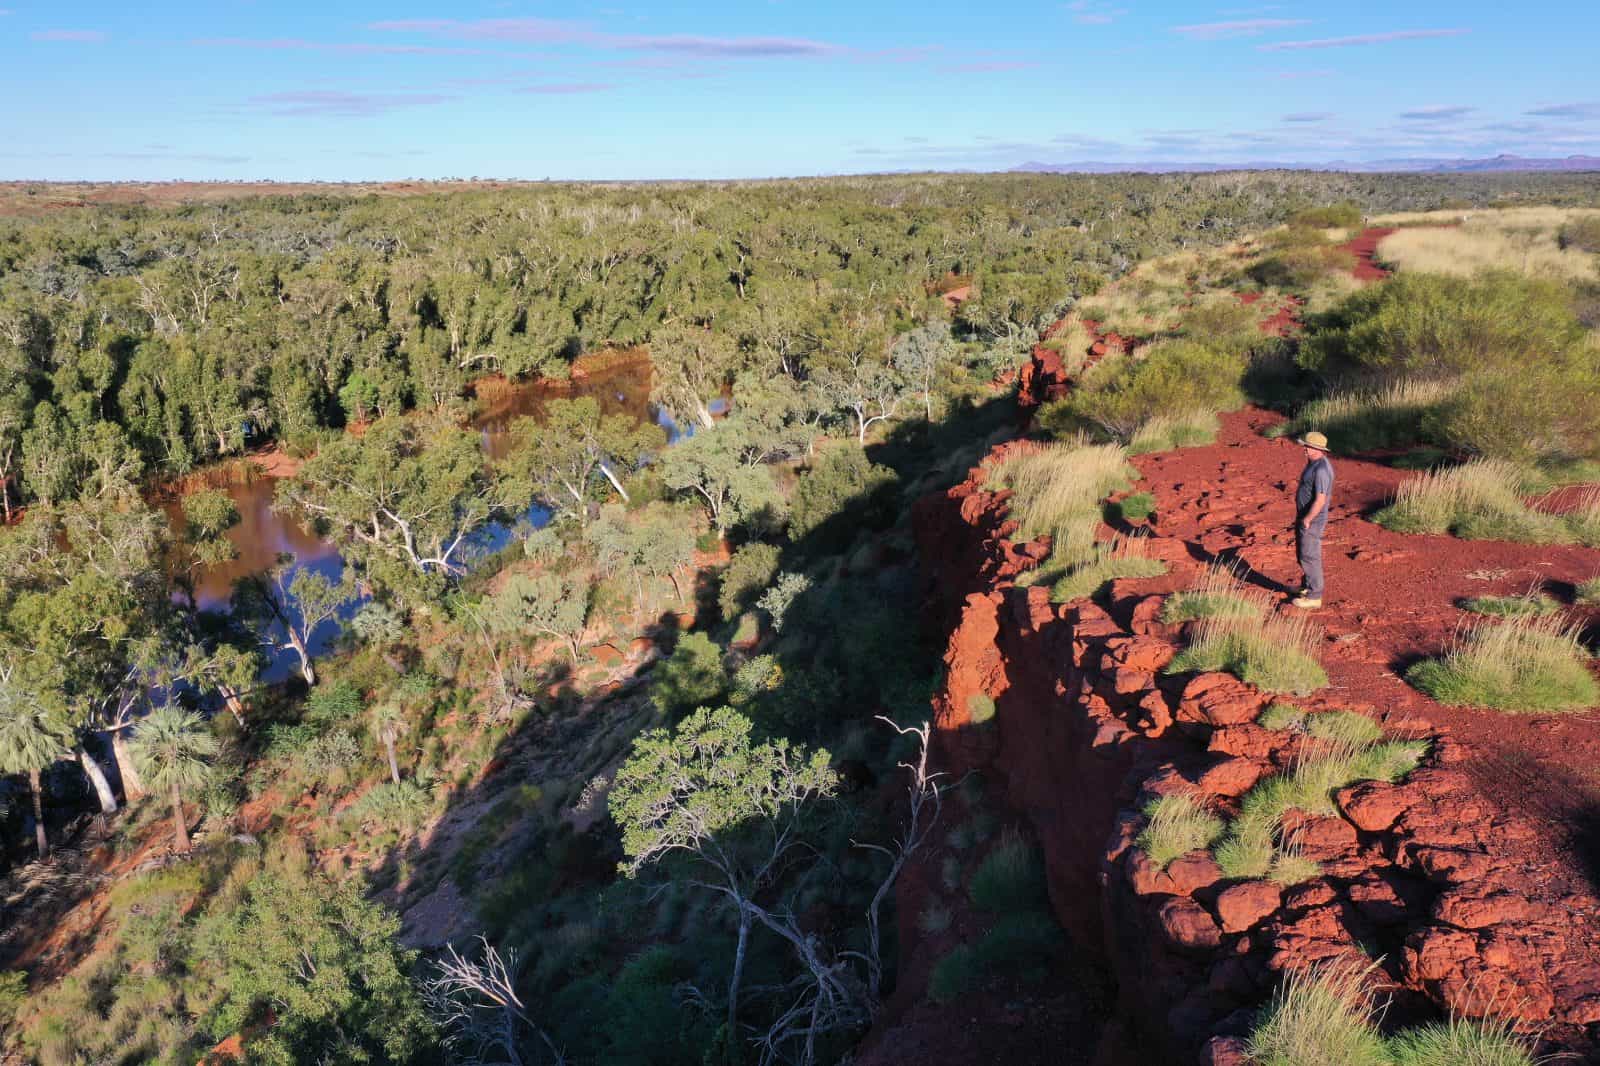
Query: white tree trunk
[
  {"x": 132, "y": 785},
  {"x": 97, "y": 776}
]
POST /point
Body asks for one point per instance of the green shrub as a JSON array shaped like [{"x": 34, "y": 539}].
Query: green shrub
[
  {"x": 1135, "y": 508},
  {"x": 1510, "y": 346},
  {"x": 13, "y": 990},
  {"x": 1462, "y": 1042},
  {"x": 1177, "y": 825},
  {"x": 692, "y": 676},
  {"x": 1010, "y": 878},
  {"x": 954, "y": 974},
  {"x": 1582, "y": 234},
  {"x": 1297, "y": 269},
  {"x": 1371, "y": 420},
  {"x": 1345, "y": 214},
  {"x": 747, "y": 574},
  {"x": 1319, "y": 1019},
  {"x": 401, "y": 806},
  {"x": 1525, "y": 664},
  {"x": 330, "y": 704},
  {"x": 1022, "y": 943},
  {"x": 980, "y": 708},
  {"x": 1120, "y": 393},
  {"x": 1274, "y": 653},
  {"x": 934, "y": 919},
  {"x": 1529, "y": 603},
  {"x": 844, "y": 485}
]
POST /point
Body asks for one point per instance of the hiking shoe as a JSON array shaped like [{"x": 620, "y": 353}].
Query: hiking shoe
[{"x": 1305, "y": 603}]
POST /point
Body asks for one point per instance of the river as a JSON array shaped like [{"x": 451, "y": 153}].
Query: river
[{"x": 619, "y": 380}]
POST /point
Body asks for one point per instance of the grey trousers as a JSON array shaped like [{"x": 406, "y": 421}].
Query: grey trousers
[{"x": 1308, "y": 548}]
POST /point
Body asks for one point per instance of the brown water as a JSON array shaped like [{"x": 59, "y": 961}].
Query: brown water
[{"x": 619, "y": 380}]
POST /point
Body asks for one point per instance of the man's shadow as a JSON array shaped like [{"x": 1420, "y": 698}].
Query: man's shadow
[{"x": 1246, "y": 573}]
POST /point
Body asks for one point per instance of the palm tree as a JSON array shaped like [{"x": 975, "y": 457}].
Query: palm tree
[
  {"x": 388, "y": 722},
  {"x": 31, "y": 740},
  {"x": 172, "y": 748}
]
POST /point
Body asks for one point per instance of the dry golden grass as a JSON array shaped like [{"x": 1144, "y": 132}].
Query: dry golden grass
[
  {"x": 1520, "y": 239},
  {"x": 1057, "y": 490}
]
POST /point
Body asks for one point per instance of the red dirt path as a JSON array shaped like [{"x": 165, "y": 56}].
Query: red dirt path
[
  {"x": 1392, "y": 600},
  {"x": 1364, "y": 247}
]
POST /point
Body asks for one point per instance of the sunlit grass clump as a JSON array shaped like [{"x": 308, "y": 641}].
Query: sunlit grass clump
[
  {"x": 1218, "y": 594},
  {"x": 1588, "y": 592},
  {"x": 1342, "y": 748},
  {"x": 1163, "y": 433},
  {"x": 1318, "y": 1019},
  {"x": 1529, "y": 604},
  {"x": 1525, "y": 664},
  {"x": 1057, "y": 490},
  {"x": 1329, "y": 1016},
  {"x": 1524, "y": 241},
  {"x": 1110, "y": 560},
  {"x": 1178, "y": 825},
  {"x": 1480, "y": 500},
  {"x": 1275, "y": 653}
]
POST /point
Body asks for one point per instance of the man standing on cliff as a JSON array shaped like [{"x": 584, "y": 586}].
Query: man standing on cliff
[{"x": 1311, "y": 501}]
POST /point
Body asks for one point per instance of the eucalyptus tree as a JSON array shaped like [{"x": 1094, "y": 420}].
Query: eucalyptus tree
[
  {"x": 549, "y": 605},
  {"x": 173, "y": 749},
  {"x": 693, "y": 363},
  {"x": 557, "y": 458},
  {"x": 285, "y": 604},
  {"x": 921, "y": 355},
  {"x": 713, "y": 467},
  {"x": 732, "y": 808},
  {"x": 402, "y": 501}
]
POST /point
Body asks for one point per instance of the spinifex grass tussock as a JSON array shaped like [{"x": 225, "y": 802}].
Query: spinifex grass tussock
[
  {"x": 1110, "y": 560},
  {"x": 1367, "y": 420},
  {"x": 1479, "y": 500},
  {"x": 1186, "y": 429},
  {"x": 1584, "y": 519},
  {"x": 1178, "y": 825},
  {"x": 1135, "y": 508},
  {"x": 1341, "y": 748},
  {"x": 1275, "y": 653},
  {"x": 1282, "y": 718},
  {"x": 1530, "y": 603},
  {"x": 1057, "y": 489},
  {"x": 1525, "y": 664},
  {"x": 1462, "y": 1042},
  {"x": 1320, "y": 1018},
  {"x": 1218, "y": 594},
  {"x": 1588, "y": 592},
  {"x": 1010, "y": 878},
  {"x": 1329, "y": 1015}
]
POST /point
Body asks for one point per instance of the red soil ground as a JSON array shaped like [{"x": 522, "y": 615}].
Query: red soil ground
[{"x": 1393, "y": 599}]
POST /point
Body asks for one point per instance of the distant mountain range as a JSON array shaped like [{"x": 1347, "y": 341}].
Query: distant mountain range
[{"x": 1431, "y": 166}]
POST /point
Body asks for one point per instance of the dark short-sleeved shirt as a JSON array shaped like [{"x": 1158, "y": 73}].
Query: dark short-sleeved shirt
[{"x": 1316, "y": 477}]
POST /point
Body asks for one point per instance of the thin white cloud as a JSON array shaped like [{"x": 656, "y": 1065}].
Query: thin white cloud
[
  {"x": 1583, "y": 110},
  {"x": 1217, "y": 31},
  {"x": 1359, "y": 40},
  {"x": 1437, "y": 113},
  {"x": 568, "y": 88},
  {"x": 557, "y": 31},
  {"x": 296, "y": 44},
  {"x": 311, "y": 103},
  {"x": 73, "y": 36},
  {"x": 1309, "y": 116}
]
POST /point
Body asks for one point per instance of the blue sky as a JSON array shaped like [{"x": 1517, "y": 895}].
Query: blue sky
[{"x": 381, "y": 89}]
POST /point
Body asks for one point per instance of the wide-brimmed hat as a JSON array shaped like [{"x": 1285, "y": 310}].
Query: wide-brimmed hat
[{"x": 1313, "y": 439}]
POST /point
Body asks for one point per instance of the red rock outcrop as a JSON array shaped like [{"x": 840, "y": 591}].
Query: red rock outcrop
[{"x": 1432, "y": 876}]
